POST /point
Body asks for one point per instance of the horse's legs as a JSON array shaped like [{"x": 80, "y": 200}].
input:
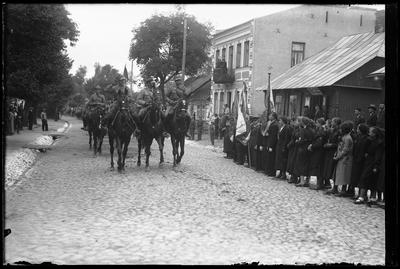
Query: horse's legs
[
  {"x": 126, "y": 144},
  {"x": 111, "y": 141},
  {"x": 90, "y": 139},
  {"x": 173, "y": 148},
  {"x": 139, "y": 140},
  {"x": 119, "y": 150},
  {"x": 147, "y": 150},
  {"x": 161, "y": 148},
  {"x": 95, "y": 134},
  {"x": 182, "y": 145}
]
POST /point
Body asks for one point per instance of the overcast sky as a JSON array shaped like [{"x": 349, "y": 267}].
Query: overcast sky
[{"x": 106, "y": 29}]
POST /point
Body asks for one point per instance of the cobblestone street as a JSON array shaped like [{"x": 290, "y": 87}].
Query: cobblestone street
[{"x": 69, "y": 208}]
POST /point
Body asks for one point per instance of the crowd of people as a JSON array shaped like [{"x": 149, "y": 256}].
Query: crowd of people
[
  {"x": 18, "y": 117},
  {"x": 345, "y": 158}
]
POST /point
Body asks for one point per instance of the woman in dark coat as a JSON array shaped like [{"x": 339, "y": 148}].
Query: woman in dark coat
[
  {"x": 302, "y": 164},
  {"x": 226, "y": 128},
  {"x": 317, "y": 152},
  {"x": 330, "y": 148},
  {"x": 264, "y": 139},
  {"x": 259, "y": 140},
  {"x": 253, "y": 144},
  {"x": 381, "y": 178},
  {"x": 373, "y": 160},
  {"x": 272, "y": 138},
  {"x": 284, "y": 136},
  {"x": 360, "y": 146},
  {"x": 292, "y": 150}
]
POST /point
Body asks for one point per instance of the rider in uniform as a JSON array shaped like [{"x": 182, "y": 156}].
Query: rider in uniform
[
  {"x": 145, "y": 98},
  {"x": 95, "y": 100},
  {"x": 172, "y": 98},
  {"x": 120, "y": 90}
]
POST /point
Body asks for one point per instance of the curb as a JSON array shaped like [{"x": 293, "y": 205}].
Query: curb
[{"x": 20, "y": 162}]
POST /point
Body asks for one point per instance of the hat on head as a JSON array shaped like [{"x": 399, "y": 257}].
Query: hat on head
[
  {"x": 372, "y": 106},
  {"x": 98, "y": 87}
]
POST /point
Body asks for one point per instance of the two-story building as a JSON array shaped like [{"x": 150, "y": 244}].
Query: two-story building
[{"x": 273, "y": 44}]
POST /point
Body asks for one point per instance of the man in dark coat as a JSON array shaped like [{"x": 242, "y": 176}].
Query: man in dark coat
[
  {"x": 372, "y": 117},
  {"x": 272, "y": 138},
  {"x": 358, "y": 119},
  {"x": 253, "y": 143},
  {"x": 31, "y": 118},
  {"x": 360, "y": 147},
  {"x": 381, "y": 116},
  {"x": 216, "y": 124},
  {"x": 330, "y": 148},
  {"x": 317, "y": 153},
  {"x": 292, "y": 151},
  {"x": 318, "y": 113},
  {"x": 284, "y": 136},
  {"x": 307, "y": 112}
]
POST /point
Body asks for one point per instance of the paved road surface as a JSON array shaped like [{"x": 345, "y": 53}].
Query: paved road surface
[{"x": 70, "y": 209}]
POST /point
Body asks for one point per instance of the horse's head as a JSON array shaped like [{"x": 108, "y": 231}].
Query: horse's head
[{"x": 181, "y": 108}]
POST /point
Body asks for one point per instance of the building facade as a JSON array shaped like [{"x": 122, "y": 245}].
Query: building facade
[
  {"x": 275, "y": 43},
  {"x": 338, "y": 79}
]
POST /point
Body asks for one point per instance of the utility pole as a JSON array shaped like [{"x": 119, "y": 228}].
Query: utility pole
[
  {"x": 184, "y": 47},
  {"x": 269, "y": 92},
  {"x": 131, "y": 75}
]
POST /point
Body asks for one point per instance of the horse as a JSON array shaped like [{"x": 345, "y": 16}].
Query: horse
[
  {"x": 120, "y": 131},
  {"x": 151, "y": 127},
  {"x": 95, "y": 129},
  {"x": 177, "y": 128}
]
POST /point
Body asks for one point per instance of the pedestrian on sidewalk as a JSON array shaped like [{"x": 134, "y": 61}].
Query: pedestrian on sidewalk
[
  {"x": 31, "y": 118},
  {"x": 212, "y": 129},
  {"x": 43, "y": 116}
]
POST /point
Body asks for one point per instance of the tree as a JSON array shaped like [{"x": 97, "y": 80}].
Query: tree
[
  {"x": 157, "y": 46},
  {"x": 37, "y": 63},
  {"x": 106, "y": 77}
]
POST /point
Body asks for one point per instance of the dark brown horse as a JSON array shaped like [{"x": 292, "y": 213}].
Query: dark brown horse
[
  {"x": 151, "y": 127},
  {"x": 120, "y": 131},
  {"x": 177, "y": 127},
  {"x": 95, "y": 129}
]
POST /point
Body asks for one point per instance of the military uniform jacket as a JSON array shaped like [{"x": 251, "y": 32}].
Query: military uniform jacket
[
  {"x": 372, "y": 119},
  {"x": 173, "y": 95},
  {"x": 94, "y": 98},
  {"x": 144, "y": 96}
]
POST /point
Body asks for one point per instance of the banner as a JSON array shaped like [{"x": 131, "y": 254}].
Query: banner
[{"x": 126, "y": 73}]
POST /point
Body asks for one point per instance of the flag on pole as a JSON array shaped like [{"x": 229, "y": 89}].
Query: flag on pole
[
  {"x": 126, "y": 73},
  {"x": 271, "y": 99},
  {"x": 240, "y": 123}
]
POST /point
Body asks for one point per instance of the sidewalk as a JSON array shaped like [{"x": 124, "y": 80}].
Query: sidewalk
[{"x": 16, "y": 141}]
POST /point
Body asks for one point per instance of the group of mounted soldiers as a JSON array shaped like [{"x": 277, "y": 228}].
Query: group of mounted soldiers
[{"x": 140, "y": 105}]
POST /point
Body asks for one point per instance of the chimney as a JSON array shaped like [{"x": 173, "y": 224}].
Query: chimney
[{"x": 380, "y": 21}]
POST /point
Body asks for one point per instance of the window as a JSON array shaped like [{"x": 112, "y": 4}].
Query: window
[
  {"x": 297, "y": 53},
  {"x": 246, "y": 53},
  {"x": 326, "y": 17},
  {"x": 217, "y": 55},
  {"x": 229, "y": 97},
  {"x": 278, "y": 104},
  {"x": 230, "y": 59},
  {"x": 293, "y": 106},
  {"x": 221, "y": 102},
  {"x": 238, "y": 54},
  {"x": 223, "y": 54},
  {"x": 215, "y": 101},
  {"x": 360, "y": 20}
]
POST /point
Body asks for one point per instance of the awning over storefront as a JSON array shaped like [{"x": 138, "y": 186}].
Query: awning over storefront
[{"x": 333, "y": 63}]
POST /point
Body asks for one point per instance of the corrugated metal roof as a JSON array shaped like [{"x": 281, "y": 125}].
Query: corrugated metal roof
[{"x": 333, "y": 63}]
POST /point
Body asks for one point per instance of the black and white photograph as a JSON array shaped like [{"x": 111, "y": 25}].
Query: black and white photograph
[{"x": 195, "y": 134}]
